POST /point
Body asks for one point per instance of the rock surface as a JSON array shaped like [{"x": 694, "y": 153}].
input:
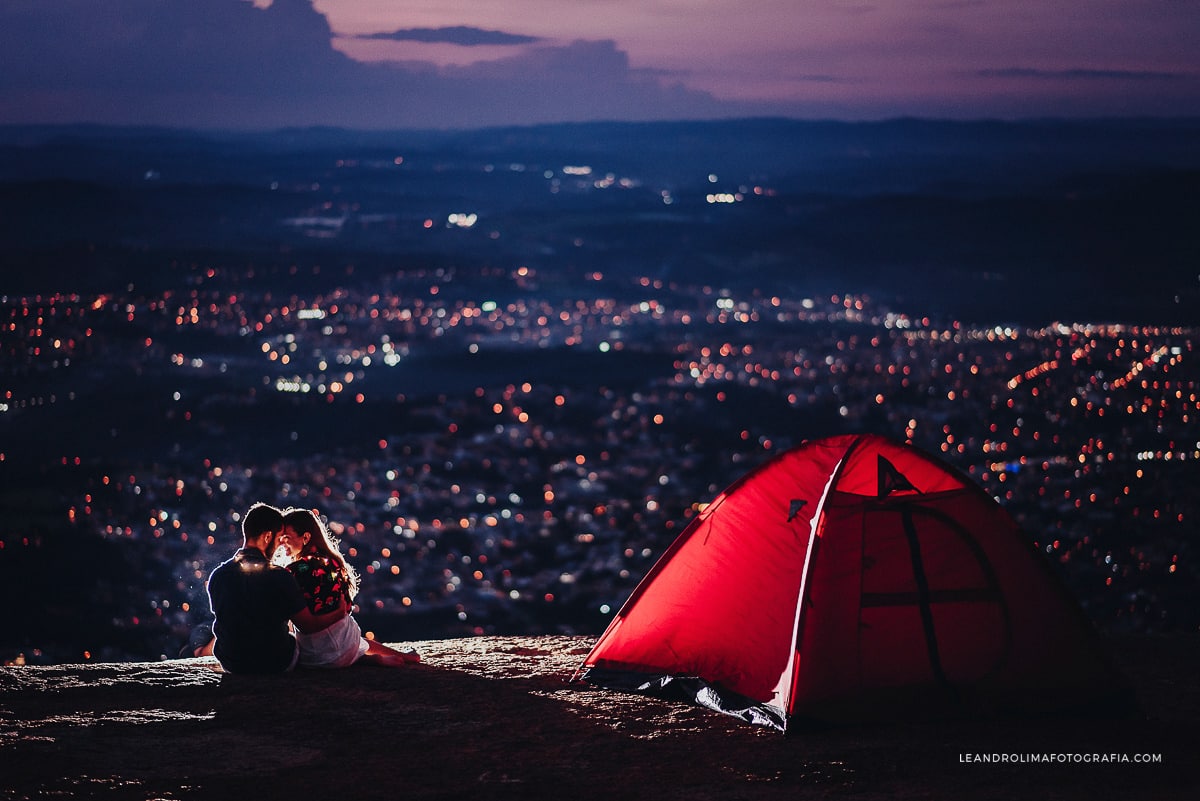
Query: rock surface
[{"x": 494, "y": 717}]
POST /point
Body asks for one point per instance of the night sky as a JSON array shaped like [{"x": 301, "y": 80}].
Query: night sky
[{"x": 237, "y": 64}]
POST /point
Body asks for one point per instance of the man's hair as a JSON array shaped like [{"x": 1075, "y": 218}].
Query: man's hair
[{"x": 261, "y": 519}]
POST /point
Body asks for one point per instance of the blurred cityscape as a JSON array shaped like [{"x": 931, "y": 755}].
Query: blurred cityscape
[{"x": 508, "y": 367}]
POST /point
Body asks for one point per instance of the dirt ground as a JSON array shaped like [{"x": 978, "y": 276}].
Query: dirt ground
[{"x": 495, "y": 718}]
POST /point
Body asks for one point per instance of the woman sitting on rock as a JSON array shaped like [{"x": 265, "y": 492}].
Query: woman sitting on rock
[{"x": 326, "y": 579}]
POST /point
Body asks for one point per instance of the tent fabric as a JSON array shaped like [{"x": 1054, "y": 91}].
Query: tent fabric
[{"x": 844, "y": 577}]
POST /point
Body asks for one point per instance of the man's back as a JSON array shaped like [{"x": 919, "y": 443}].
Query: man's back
[{"x": 252, "y": 601}]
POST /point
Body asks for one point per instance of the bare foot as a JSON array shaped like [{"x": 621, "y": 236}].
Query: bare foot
[{"x": 392, "y": 658}]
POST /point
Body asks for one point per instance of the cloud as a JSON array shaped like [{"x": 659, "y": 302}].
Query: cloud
[
  {"x": 463, "y": 35},
  {"x": 232, "y": 64},
  {"x": 1080, "y": 74},
  {"x": 157, "y": 45},
  {"x": 585, "y": 80}
]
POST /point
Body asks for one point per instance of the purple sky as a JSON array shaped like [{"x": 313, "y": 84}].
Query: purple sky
[{"x": 469, "y": 63}]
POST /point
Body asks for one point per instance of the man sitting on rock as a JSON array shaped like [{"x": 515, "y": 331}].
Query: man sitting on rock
[{"x": 252, "y": 601}]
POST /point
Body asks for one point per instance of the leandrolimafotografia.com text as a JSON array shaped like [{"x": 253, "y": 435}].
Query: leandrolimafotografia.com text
[{"x": 996, "y": 758}]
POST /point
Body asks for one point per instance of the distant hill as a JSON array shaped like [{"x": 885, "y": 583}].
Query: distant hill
[
  {"x": 989, "y": 150},
  {"x": 1016, "y": 220}
]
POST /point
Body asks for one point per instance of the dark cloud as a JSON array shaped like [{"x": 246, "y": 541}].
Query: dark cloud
[
  {"x": 163, "y": 45},
  {"x": 457, "y": 34},
  {"x": 1080, "y": 74},
  {"x": 229, "y": 64}
]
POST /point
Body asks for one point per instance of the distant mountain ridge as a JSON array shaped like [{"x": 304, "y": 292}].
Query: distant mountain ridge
[
  {"x": 944, "y": 215},
  {"x": 1134, "y": 141}
]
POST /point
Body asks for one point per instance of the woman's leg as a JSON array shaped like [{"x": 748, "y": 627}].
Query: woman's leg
[{"x": 380, "y": 654}]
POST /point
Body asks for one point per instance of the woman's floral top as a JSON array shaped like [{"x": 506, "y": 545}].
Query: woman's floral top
[{"x": 323, "y": 583}]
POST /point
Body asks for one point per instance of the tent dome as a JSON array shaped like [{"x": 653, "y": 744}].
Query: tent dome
[{"x": 853, "y": 577}]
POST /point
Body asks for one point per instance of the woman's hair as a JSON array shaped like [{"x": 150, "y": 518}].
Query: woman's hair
[{"x": 320, "y": 542}]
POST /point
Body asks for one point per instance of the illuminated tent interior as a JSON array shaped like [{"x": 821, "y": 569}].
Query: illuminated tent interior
[{"x": 854, "y": 578}]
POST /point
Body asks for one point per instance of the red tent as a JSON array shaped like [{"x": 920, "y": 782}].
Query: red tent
[{"x": 853, "y": 577}]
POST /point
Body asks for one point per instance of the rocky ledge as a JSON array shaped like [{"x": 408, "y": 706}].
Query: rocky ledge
[{"x": 495, "y": 717}]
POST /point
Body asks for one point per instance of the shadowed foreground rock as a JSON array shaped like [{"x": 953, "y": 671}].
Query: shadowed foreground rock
[{"x": 493, "y": 717}]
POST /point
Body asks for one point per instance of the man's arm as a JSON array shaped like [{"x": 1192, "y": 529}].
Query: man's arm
[{"x": 309, "y": 623}]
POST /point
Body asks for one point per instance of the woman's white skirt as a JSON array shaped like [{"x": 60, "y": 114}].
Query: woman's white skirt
[{"x": 339, "y": 645}]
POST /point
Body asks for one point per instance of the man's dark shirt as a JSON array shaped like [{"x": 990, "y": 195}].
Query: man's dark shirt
[{"x": 251, "y": 601}]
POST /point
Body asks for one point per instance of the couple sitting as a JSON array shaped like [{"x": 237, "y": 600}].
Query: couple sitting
[{"x": 253, "y": 600}]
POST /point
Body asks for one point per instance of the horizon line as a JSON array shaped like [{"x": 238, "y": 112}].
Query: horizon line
[{"x": 1182, "y": 119}]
